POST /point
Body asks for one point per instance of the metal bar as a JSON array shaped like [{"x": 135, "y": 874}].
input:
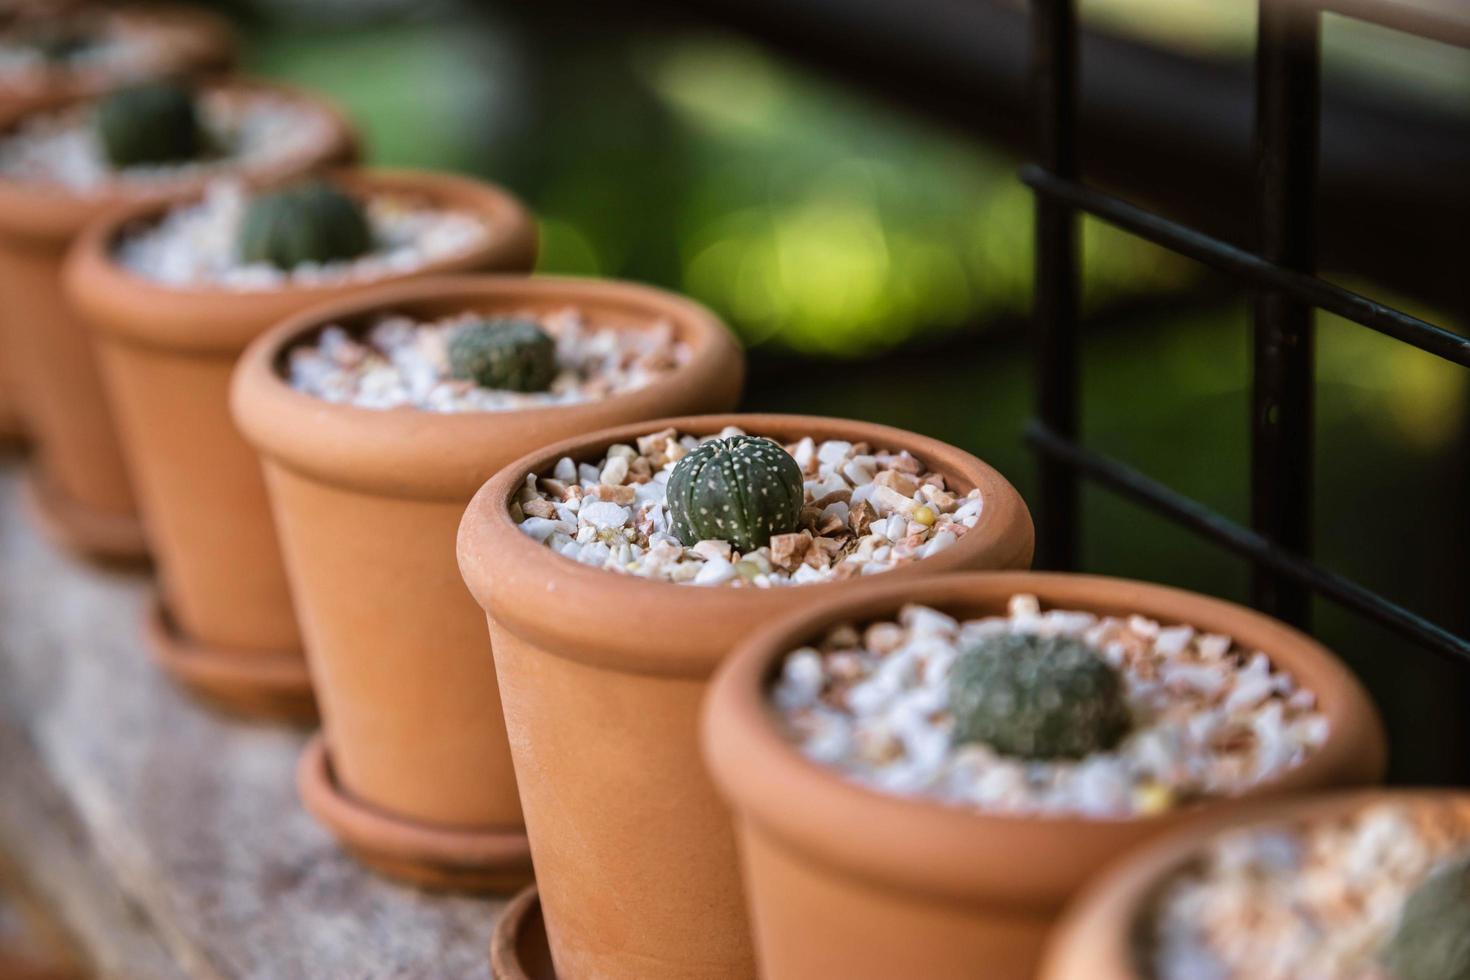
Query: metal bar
[
  {"x": 1251, "y": 544},
  {"x": 1288, "y": 57},
  {"x": 1252, "y": 268},
  {"x": 1054, "y": 77}
]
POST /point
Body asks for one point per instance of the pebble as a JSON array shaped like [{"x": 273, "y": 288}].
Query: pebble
[
  {"x": 604, "y": 515},
  {"x": 402, "y": 362},
  {"x": 197, "y": 244},
  {"x": 1211, "y": 724},
  {"x": 828, "y": 547},
  {"x": 255, "y": 129},
  {"x": 1301, "y": 900}
]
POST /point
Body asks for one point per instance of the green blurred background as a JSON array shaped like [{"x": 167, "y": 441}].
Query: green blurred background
[{"x": 878, "y": 267}]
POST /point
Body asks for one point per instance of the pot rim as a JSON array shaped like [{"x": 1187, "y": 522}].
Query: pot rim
[
  {"x": 415, "y": 452},
  {"x": 129, "y": 308},
  {"x": 928, "y": 846},
  {"x": 509, "y": 573},
  {"x": 211, "y": 46},
  {"x": 1094, "y": 939},
  {"x": 49, "y": 211}
]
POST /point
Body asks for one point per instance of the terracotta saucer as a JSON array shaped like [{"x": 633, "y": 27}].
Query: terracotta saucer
[
  {"x": 267, "y": 686},
  {"x": 110, "y": 538},
  {"x": 13, "y": 437},
  {"x": 518, "y": 950},
  {"x": 422, "y": 854}
]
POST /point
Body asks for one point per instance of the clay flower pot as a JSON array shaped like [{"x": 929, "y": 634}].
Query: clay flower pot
[
  {"x": 12, "y": 426},
  {"x": 225, "y": 625},
  {"x": 844, "y": 880},
  {"x": 368, "y": 502},
  {"x": 1099, "y": 937},
  {"x": 80, "y": 484},
  {"x": 601, "y": 677},
  {"x": 188, "y": 41}
]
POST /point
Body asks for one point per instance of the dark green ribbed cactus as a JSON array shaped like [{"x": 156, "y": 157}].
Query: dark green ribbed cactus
[
  {"x": 153, "y": 123},
  {"x": 311, "y": 222},
  {"x": 1038, "y": 697},
  {"x": 507, "y": 353},
  {"x": 1432, "y": 939},
  {"x": 743, "y": 490}
]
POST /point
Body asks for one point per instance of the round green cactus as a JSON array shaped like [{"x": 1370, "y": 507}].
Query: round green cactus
[
  {"x": 1432, "y": 939},
  {"x": 743, "y": 490},
  {"x": 153, "y": 123},
  {"x": 506, "y": 353},
  {"x": 311, "y": 222},
  {"x": 1038, "y": 697}
]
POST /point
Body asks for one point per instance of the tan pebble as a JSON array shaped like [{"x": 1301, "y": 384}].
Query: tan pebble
[
  {"x": 617, "y": 494},
  {"x": 655, "y": 442},
  {"x": 788, "y": 550},
  {"x": 860, "y": 517},
  {"x": 895, "y": 480}
]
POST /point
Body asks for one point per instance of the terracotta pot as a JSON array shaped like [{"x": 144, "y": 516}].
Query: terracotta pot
[
  {"x": 847, "y": 881},
  {"x": 1096, "y": 939},
  {"x": 193, "y": 42},
  {"x": 81, "y": 483},
  {"x": 229, "y": 630},
  {"x": 368, "y": 503},
  {"x": 601, "y": 677},
  {"x": 12, "y": 426}
]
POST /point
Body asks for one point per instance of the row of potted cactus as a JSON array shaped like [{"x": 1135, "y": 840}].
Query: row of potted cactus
[{"x": 619, "y": 736}]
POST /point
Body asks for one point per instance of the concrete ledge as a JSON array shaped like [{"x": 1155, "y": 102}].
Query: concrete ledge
[{"x": 169, "y": 840}]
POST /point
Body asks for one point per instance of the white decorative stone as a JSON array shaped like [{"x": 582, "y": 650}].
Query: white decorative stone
[{"x": 1205, "y": 724}]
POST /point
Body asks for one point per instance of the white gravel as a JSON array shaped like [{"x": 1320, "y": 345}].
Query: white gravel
[
  {"x": 868, "y": 510},
  {"x": 403, "y": 362},
  {"x": 1209, "y": 719},
  {"x": 251, "y": 130},
  {"x": 1295, "y": 902},
  {"x": 197, "y": 244},
  {"x": 127, "y": 47}
]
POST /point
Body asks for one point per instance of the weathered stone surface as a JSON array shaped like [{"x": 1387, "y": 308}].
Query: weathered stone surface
[{"x": 169, "y": 839}]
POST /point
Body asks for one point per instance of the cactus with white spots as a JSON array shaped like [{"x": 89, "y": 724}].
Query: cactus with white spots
[{"x": 741, "y": 489}]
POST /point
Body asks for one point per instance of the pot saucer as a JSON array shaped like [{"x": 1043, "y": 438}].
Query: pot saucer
[
  {"x": 427, "y": 855},
  {"x": 519, "y": 950},
  {"x": 268, "y": 686},
  {"x": 111, "y": 538},
  {"x": 13, "y": 438}
]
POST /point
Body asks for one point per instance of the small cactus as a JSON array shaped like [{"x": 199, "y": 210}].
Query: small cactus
[
  {"x": 1037, "y": 697},
  {"x": 743, "y": 490},
  {"x": 1432, "y": 939},
  {"x": 311, "y": 222},
  {"x": 506, "y": 353},
  {"x": 153, "y": 123}
]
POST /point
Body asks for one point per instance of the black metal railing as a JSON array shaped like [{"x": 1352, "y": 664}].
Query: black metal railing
[{"x": 1281, "y": 272}]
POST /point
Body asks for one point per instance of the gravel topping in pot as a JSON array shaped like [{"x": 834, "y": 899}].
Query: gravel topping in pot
[
  {"x": 400, "y": 361},
  {"x": 867, "y": 510},
  {"x": 247, "y": 129},
  {"x": 116, "y": 47},
  {"x": 198, "y": 244},
  {"x": 1319, "y": 900},
  {"x": 1207, "y": 718}
]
